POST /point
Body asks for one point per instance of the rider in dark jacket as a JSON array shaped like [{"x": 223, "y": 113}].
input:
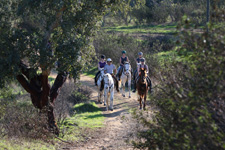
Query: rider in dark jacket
[
  {"x": 123, "y": 59},
  {"x": 101, "y": 65}
]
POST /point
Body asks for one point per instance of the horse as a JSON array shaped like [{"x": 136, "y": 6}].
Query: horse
[
  {"x": 142, "y": 87},
  {"x": 100, "y": 78},
  {"x": 126, "y": 77},
  {"x": 108, "y": 90}
]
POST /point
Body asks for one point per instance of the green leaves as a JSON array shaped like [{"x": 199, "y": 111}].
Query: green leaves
[
  {"x": 189, "y": 97},
  {"x": 42, "y": 33}
]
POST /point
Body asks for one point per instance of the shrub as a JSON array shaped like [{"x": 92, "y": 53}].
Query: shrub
[
  {"x": 190, "y": 95},
  {"x": 112, "y": 44}
]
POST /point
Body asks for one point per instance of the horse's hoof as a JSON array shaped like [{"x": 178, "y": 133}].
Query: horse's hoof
[{"x": 140, "y": 108}]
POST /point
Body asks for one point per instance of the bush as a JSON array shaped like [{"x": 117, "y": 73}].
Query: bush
[
  {"x": 24, "y": 121},
  {"x": 19, "y": 119},
  {"x": 190, "y": 96},
  {"x": 112, "y": 44}
]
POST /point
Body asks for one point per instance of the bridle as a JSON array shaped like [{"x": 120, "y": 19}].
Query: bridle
[{"x": 126, "y": 69}]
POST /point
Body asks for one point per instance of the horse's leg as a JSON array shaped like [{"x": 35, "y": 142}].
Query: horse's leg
[
  {"x": 107, "y": 102},
  {"x": 140, "y": 99},
  {"x": 129, "y": 85},
  {"x": 105, "y": 96},
  {"x": 101, "y": 94},
  {"x": 111, "y": 98},
  {"x": 123, "y": 86},
  {"x": 145, "y": 96},
  {"x": 144, "y": 102}
]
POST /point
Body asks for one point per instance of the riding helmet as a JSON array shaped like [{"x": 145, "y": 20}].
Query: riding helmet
[
  {"x": 140, "y": 53},
  {"x": 103, "y": 56},
  {"x": 109, "y": 60},
  {"x": 124, "y": 52},
  {"x": 142, "y": 60}
]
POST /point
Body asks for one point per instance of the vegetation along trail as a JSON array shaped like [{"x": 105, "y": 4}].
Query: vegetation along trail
[{"x": 116, "y": 129}]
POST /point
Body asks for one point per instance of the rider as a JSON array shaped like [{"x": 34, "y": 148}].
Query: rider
[
  {"x": 143, "y": 65},
  {"x": 111, "y": 69},
  {"x": 123, "y": 59},
  {"x": 138, "y": 60},
  {"x": 101, "y": 65},
  {"x": 140, "y": 55}
]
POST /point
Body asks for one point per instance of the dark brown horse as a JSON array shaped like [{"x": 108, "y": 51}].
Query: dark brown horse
[{"x": 142, "y": 87}]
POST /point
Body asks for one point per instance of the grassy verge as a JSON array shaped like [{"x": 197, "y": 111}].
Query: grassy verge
[
  {"x": 161, "y": 29},
  {"x": 22, "y": 144},
  {"x": 91, "y": 72},
  {"x": 86, "y": 119}
]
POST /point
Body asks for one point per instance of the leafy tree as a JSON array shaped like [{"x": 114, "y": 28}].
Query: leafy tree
[{"x": 36, "y": 34}]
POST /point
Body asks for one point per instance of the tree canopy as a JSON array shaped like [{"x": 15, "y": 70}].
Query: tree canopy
[
  {"x": 32, "y": 30},
  {"x": 34, "y": 35}
]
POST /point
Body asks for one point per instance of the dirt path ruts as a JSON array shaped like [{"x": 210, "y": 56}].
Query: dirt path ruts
[{"x": 114, "y": 134}]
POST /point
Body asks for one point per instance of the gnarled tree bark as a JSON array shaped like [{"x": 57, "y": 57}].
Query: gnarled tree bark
[{"x": 41, "y": 94}]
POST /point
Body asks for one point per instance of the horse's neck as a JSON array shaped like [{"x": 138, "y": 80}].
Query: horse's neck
[{"x": 110, "y": 81}]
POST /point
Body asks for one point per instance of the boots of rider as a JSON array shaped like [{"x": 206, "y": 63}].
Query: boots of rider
[
  {"x": 96, "y": 76},
  {"x": 149, "y": 83},
  {"x": 117, "y": 85}
]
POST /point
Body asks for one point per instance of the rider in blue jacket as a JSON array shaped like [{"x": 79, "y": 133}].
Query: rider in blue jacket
[{"x": 143, "y": 65}]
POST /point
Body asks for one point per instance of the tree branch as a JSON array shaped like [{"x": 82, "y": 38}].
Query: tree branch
[
  {"x": 60, "y": 79},
  {"x": 26, "y": 85}
]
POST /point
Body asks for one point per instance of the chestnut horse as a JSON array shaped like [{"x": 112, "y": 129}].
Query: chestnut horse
[{"x": 142, "y": 87}]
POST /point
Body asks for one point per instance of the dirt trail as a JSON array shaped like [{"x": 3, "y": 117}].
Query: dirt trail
[{"x": 114, "y": 134}]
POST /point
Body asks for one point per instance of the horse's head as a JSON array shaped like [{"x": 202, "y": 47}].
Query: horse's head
[
  {"x": 143, "y": 75},
  {"x": 106, "y": 78},
  {"x": 127, "y": 68}
]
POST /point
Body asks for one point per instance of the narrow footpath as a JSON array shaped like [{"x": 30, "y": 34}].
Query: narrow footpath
[{"x": 117, "y": 128}]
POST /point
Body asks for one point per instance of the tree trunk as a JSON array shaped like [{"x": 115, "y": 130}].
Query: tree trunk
[{"x": 41, "y": 95}]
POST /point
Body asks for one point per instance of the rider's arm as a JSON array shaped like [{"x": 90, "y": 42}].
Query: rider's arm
[
  {"x": 114, "y": 70},
  {"x": 105, "y": 69},
  {"x": 120, "y": 61},
  {"x": 128, "y": 59},
  {"x": 147, "y": 69},
  {"x": 99, "y": 67}
]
